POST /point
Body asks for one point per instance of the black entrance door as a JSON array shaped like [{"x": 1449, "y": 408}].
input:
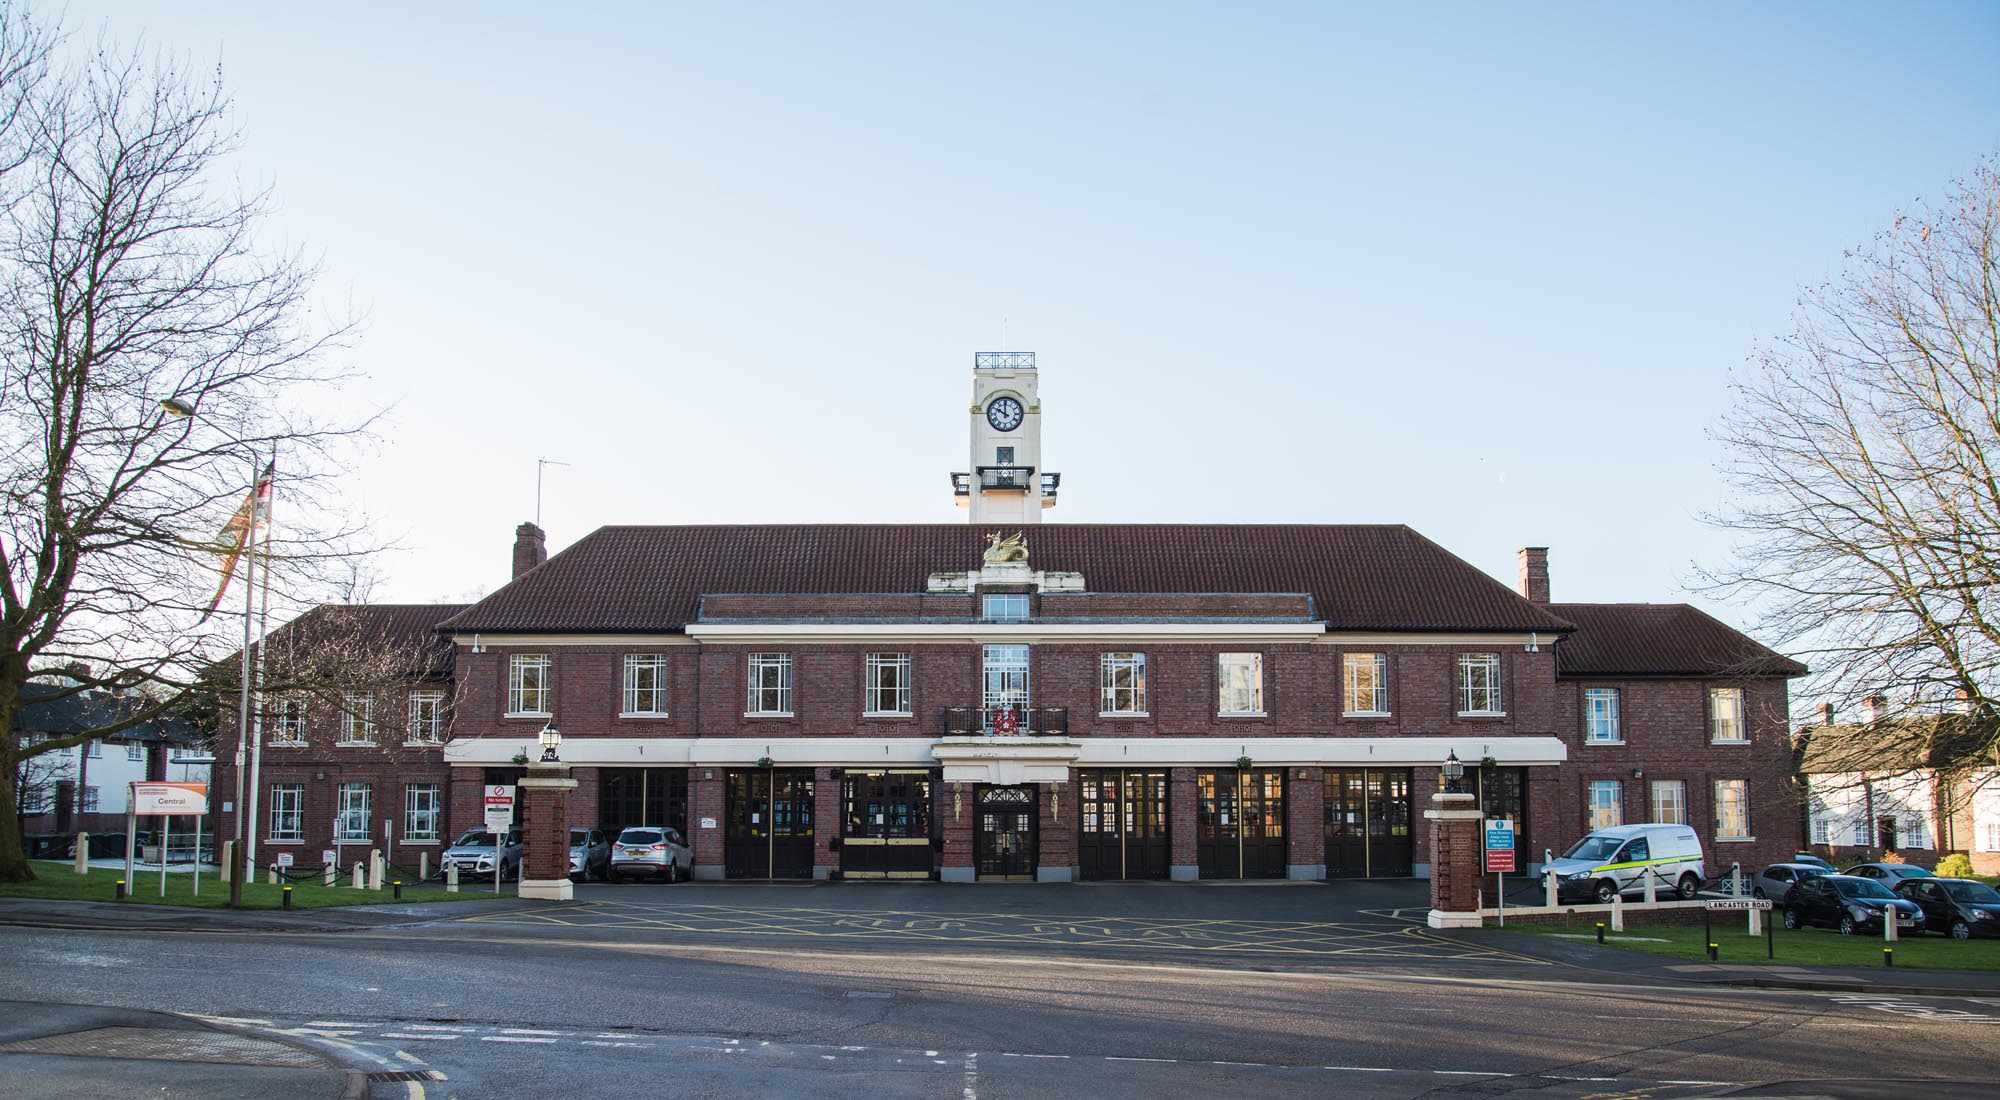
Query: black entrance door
[
  {"x": 1368, "y": 822},
  {"x": 1003, "y": 845},
  {"x": 1240, "y": 823},
  {"x": 1123, "y": 832},
  {"x": 770, "y": 817},
  {"x": 641, "y": 796},
  {"x": 885, "y": 824}
]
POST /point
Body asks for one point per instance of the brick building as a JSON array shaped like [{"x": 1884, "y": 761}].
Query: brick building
[{"x": 1089, "y": 701}]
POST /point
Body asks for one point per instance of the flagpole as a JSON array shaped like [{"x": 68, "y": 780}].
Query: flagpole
[
  {"x": 244, "y": 861},
  {"x": 263, "y": 621}
]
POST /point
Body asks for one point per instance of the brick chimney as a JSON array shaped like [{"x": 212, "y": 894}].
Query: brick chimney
[
  {"x": 1826, "y": 714},
  {"x": 1961, "y": 702},
  {"x": 1874, "y": 708},
  {"x": 1535, "y": 573},
  {"x": 531, "y": 548}
]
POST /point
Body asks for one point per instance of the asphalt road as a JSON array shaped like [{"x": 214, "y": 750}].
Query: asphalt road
[{"x": 620, "y": 1004}]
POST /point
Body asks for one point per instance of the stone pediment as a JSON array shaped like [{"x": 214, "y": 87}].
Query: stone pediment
[{"x": 1006, "y": 761}]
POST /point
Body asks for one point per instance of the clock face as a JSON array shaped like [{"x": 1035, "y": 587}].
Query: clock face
[{"x": 1004, "y": 414}]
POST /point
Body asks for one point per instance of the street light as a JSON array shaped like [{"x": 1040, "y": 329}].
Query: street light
[
  {"x": 176, "y": 408},
  {"x": 551, "y": 739},
  {"x": 1453, "y": 772}
]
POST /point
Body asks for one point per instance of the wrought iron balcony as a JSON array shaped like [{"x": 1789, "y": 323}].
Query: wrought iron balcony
[
  {"x": 1021, "y": 478},
  {"x": 994, "y": 360},
  {"x": 1006, "y": 721}
]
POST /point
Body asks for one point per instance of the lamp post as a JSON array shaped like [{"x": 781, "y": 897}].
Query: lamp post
[
  {"x": 1453, "y": 771},
  {"x": 550, "y": 739}
]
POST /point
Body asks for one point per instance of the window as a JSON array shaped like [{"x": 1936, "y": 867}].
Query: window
[
  {"x": 426, "y": 718},
  {"x": 1479, "y": 683},
  {"x": 288, "y": 811},
  {"x": 1861, "y": 837},
  {"x": 1122, "y": 679},
  {"x": 1240, "y": 683},
  {"x": 89, "y": 800},
  {"x": 291, "y": 725},
  {"x": 1725, "y": 715},
  {"x": 357, "y": 719},
  {"x": 528, "y": 684},
  {"x": 1822, "y": 831},
  {"x": 1670, "y": 802},
  {"x": 770, "y": 683},
  {"x": 1004, "y": 670},
  {"x": 94, "y": 750},
  {"x": 421, "y": 802},
  {"x": 645, "y": 683},
  {"x": 1010, "y": 608},
  {"x": 1989, "y": 836},
  {"x": 134, "y": 752},
  {"x": 1916, "y": 831},
  {"x": 1732, "y": 809},
  {"x": 1600, "y": 717},
  {"x": 1003, "y": 456},
  {"x": 885, "y": 687},
  {"x": 1607, "y": 803},
  {"x": 354, "y": 812},
  {"x": 1365, "y": 677}
]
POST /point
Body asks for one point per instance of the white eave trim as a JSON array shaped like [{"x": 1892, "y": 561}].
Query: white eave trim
[
  {"x": 1013, "y": 632},
  {"x": 623, "y": 641}
]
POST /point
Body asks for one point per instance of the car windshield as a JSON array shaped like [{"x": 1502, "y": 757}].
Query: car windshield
[
  {"x": 640, "y": 836},
  {"x": 1910, "y": 872},
  {"x": 1972, "y": 891},
  {"x": 1863, "y": 888},
  {"x": 477, "y": 838},
  {"x": 1593, "y": 848},
  {"x": 579, "y": 836}
]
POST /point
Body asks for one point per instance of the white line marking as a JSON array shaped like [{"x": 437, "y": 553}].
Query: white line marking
[
  {"x": 1362, "y": 1069},
  {"x": 1117, "y": 1058},
  {"x": 425, "y": 1038},
  {"x": 1011, "y": 1054},
  {"x": 1260, "y": 1064},
  {"x": 436, "y": 1027},
  {"x": 972, "y": 1076},
  {"x": 602, "y": 1043},
  {"x": 334, "y": 1023},
  {"x": 1594, "y": 1017},
  {"x": 1559, "y": 1077},
  {"x": 526, "y": 1031},
  {"x": 1465, "y": 1073},
  {"x": 1697, "y": 1082},
  {"x": 512, "y": 1039}
]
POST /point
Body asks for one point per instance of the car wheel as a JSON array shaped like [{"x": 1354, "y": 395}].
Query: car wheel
[
  {"x": 1847, "y": 926},
  {"x": 1757, "y": 893},
  {"x": 673, "y": 871},
  {"x": 1687, "y": 886},
  {"x": 1791, "y": 918},
  {"x": 1961, "y": 930},
  {"x": 1606, "y": 891}
]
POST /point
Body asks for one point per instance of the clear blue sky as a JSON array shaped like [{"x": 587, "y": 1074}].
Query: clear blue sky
[{"x": 1484, "y": 271}]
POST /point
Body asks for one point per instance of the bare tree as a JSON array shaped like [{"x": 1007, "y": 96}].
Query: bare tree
[
  {"x": 1865, "y": 459},
  {"x": 130, "y": 273}
]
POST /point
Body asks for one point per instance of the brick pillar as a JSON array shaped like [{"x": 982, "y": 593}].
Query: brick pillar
[
  {"x": 545, "y": 840},
  {"x": 827, "y": 783},
  {"x": 1182, "y": 863},
  {"x": 1305, "y": 824},
  {"x": 960, "y": 812},
  {"x": 1454, "y": 821},
  {"x": 705, "y": 805},
  {"x": 1055, "y": 856}
]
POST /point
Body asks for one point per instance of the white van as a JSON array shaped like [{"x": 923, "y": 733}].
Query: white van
[{"x": 1617, "y": 860}]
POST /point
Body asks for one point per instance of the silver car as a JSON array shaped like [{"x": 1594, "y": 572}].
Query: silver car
[
  {"x": 1776, "y": 881},
  {"x": 474, "y": 856},
  {"x": 589, "y": 855},
  {"x": 651, "y": 851}
]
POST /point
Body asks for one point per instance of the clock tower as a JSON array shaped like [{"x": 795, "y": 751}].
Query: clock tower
[{"x": 1007, "y": 485}]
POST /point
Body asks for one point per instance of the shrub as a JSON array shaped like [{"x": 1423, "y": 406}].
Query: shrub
[
  {"x": 1955, "y": 865},
  {"x": 1891, "y": 857}
]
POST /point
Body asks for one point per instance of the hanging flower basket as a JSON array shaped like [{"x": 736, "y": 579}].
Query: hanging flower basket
[
  {"x": 763, "y": 761},
  {"x": 1243, "y": 763}
]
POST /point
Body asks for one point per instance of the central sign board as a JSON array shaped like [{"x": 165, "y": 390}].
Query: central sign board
[
  {"x": 169, "y": 798},
  {"x": 1499, "y": 845},
  {"x": 499, "y": 809}
]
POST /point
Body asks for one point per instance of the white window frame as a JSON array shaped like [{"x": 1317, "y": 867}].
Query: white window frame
[
  {"x": 1239, "y": 684},
  {"x": 1822, "y": 831},
  {"x": 1989, "y": 836},
  {"x": 1916, "y": 832},
  {"x": 769, "y": 680},
  {"x": 1725, "y": 828},
  {"x": 1679, "y": 801},
  {"x": 288, "y": 726},
  {"x": 1479, "y": 682},
  {"x": 93, "y": 750},
  {"x": 288, "y": 812},
  {"x": 1121, "y": 677},
  {"x": 89, "y": 802},
  {"x": 644, "y": 692},
  {"x": 357, "y": 719},
  {"x": 134, "y": 752},
  {"x": 1005, "y": 678},
  {"x": 426, "y": 718},
  {"x": 1359, "y": 700},
  {"x": 530, "y": 683},
  {"x": 422, "y": 802},
  {"x": 1600, "y": 717},
  {"x": 1725, "y": 715},
  {"x": 885, "y": 685},
  {"x": 1605, "y": 803},
  {"x": 355, "y": 812},
  {"x": 1006, "y": 607}
]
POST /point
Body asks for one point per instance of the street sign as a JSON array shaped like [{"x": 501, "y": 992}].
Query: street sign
[
  {"x": 1499, "y": 845},
  {"x": 499, "y": 808},
  {"x": 1726, "y": 904},
  {"x": 169, "y": 798},
  {"x": 327, "y": 857},
  {"x": 285, "y": 860}
]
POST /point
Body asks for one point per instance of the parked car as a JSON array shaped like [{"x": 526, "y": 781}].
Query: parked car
[
  {"x": 1849, "y": 904},
  {"x": 1812, "y": 860},
  {"x": 475, "y": 857},
  {"x": 1888, "y": 874},
  {"x": 650, "y": 851},
  {"x": 1776, "y": 881},
  {"x": 589, "y": 855},
  {"x": 1957, "y": 907},
  {"x": 1612, "y": 861}
]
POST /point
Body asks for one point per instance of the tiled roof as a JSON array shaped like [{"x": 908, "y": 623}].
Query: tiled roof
[
  {"x": 1660, "y": 639},
  {"x": 46, "y": 710},
  {"x": 1893, "y": 745},
  {"x": 619, "y": 579},
  {"x": 376, "y": 628}
]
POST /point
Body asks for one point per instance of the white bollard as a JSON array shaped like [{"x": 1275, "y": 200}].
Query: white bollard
[
  {"x": 1652, "y": 896},
  {"x": 376, "y": 869},
  {"x": 423, "y": 866},
  {"x": 1550, "y": 877},
  {"x": 1888, "y": 926},
  {"x": 451, "y": 878},
  {"x": 272, "y": 878},
  {"x": 1736, "y": 881},
  {"x": 1756, "y": 923},
  {"x": 1618, "y": 912},
  {"x": 360, "y": 876},
  {"x": 228, "y": 860},
  {"x": 327, "y": 874},
  {"x": 83, "y": 853}
]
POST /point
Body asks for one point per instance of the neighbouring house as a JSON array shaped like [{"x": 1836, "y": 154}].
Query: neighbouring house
[
  {"x": 83, "y": 789},
  {"x": 1899, "y": 784}
]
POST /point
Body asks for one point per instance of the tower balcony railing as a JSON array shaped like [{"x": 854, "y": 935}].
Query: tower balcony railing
[
  {"x": 1006, "y": 721},
  {"x": 1020, "y": 478},
  {"x": 1003, "y": 360}
]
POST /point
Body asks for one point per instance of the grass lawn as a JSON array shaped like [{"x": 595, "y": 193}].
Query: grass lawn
[
  {"x": 59, "y": 880},
  {"x": 1804, "y": 946}
]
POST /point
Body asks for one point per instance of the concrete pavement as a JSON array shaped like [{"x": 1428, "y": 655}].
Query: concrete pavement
[{"x": 59, "y": 1052}]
